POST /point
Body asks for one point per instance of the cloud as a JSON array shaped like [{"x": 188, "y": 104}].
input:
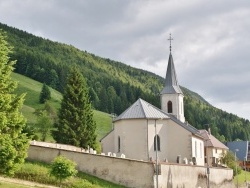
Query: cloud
[{"x": 210, "y": 47}]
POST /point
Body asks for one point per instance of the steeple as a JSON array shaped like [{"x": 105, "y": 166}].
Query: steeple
[
  {"x": 171, "y": 83},
  {"x": 171, "y": 94}
]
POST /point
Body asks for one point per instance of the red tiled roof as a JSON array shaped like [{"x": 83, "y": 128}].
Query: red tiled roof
[{"x": 211, "y": 141}]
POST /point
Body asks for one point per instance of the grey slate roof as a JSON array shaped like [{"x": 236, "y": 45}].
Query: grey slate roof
[
  {"x": 211, "y": 140},
  {"x": 171, "y": 82},
  {"x": 142, "y": 110},
  {"x": 242, "y": 146}
]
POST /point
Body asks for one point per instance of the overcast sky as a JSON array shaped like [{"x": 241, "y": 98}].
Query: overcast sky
[{"x": 211, "y": 46}]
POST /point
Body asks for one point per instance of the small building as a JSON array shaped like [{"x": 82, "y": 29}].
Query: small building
[
  {"x": 214, "y": 149},
  {"x": 143, "y": 131},
  {"x": 242, "y": 151}
]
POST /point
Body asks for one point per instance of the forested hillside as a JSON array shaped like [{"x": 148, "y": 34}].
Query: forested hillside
[{"x": 113, "y": 85}]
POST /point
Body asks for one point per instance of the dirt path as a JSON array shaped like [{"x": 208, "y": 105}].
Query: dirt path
[{"x": 23, "y": 182}]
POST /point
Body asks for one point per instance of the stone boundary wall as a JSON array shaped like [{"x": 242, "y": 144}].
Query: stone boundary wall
[
  {"x": 183, "y": 176},
  {"x": 129, "y": 172}
]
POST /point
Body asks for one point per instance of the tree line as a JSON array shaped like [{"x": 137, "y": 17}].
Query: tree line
[{"x": 113, "y": 86}]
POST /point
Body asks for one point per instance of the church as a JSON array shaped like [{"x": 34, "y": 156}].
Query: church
[{"x": 145, "y": 132}]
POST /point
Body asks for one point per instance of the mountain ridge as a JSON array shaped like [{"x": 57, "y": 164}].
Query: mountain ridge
[{"x": 113, "y": 85}]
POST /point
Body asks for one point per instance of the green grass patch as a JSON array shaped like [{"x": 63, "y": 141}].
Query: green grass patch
[
  {"x": 33, "y": 88},
  {"x": 28, "y": 112},
  {"x": 243, "y": 177},
  {"x": 103, "y": 122},
  {"x": 39, "y": 172}
]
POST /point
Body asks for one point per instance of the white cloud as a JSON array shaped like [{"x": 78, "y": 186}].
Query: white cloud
[{"x": 210, "y": 47}]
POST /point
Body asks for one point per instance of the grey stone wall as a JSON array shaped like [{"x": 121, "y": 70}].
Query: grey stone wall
[{"x": 133, "y": 173}]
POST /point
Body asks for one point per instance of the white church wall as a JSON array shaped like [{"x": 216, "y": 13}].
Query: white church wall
[
  {"x": 175, "y": 142},
  {"x": 178, "y": 142},
  {"x": 133, "y": 136},
  {"x": 198, "y": 150},
  {"x": 108, "y": 143},
  {"x": 137, "y": 141},
  {"x": 161, "y": 132}
]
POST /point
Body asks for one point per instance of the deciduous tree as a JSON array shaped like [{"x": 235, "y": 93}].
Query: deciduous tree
[
  {"x": 62, "y": 168},
  {"x": 229, "y": 159}
]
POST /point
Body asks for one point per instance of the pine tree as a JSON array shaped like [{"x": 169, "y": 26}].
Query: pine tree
[
  {"x": 75, "y": 123},
  {"x": 13, "y": 143},
  {"x": 45, "y": 94}
]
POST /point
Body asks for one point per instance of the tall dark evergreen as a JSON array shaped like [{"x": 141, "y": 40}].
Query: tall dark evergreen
[
  {"x": 75, "y": 123},
  {"x": 45, "y": 94},
  {"x": 13, "y": 142}
]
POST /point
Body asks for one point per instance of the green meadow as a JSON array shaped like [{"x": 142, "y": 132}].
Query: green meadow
[{"x": 32, "y": 90}]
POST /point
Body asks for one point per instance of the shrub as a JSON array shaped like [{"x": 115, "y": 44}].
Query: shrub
[{"x": 62, "y": 168}]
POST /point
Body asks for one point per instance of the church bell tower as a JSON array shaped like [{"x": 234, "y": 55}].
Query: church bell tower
[{"x": 171, "y": 94}]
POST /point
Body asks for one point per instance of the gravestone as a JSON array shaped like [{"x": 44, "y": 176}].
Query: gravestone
[{"x": 122, "y": 155}]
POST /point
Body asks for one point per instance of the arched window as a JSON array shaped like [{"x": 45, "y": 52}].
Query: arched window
[
  {"x": 157, "y": 142},
  {"x": 119, "y": 144},
  {"x": 170, "y": 107}
]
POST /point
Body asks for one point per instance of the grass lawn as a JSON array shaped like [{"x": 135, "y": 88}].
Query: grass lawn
[
  {"x": 103, "y": 123},
  {"x": 40, "y": 173},
  {"x": 242, "y": 178},
  {"x": 33, "y": 88}
]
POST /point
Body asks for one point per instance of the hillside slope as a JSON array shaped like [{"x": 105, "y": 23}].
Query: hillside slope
[
  {"x": 33, "y": 88},
  {"x": 113, "y": 85}
]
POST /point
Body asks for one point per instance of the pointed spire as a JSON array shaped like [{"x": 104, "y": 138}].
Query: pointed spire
[{"x": 171, "y": 82}]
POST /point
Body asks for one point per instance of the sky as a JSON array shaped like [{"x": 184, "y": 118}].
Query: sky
[{"x": 210, "y": 47}]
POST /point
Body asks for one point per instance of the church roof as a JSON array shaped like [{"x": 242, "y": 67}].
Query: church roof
[
  {"x": 211, "y": 140},
  {"x": 142, "y": 110},
  {"x": 171, "y": 82}
]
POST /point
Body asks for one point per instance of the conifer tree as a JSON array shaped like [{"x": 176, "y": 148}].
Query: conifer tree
[
  {"x": 45, "y": 94},
  {"x": 75, "y": 123},
  {"x": 13, "y": 142}
]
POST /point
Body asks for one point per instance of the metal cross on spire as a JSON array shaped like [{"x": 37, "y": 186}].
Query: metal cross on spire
[{"x": 170, "y": 38}]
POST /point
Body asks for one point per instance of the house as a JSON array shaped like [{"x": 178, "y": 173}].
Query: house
[
  {"x": 146, "y": 133},
  {"x": 214, "y": 149},
  {"x": 241, "y": 149}
]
